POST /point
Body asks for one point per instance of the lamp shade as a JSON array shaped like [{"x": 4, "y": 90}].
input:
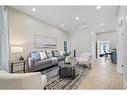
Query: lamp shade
[{"x": 17, "y": 49}]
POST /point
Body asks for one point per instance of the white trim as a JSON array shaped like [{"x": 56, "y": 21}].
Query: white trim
[{"x": 124, "y": 84}]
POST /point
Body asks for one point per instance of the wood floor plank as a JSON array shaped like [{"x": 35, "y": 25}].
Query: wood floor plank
[{"x": 102, "y": 76}]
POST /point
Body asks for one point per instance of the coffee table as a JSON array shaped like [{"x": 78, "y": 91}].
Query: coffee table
[{"x": 66, "y": 70}]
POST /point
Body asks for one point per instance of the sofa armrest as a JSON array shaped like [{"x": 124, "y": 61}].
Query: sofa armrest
[
  {"x": 34, "y": 81},
  {"x": 31, "y": 62},
  {"x": 23, "y": 81}
]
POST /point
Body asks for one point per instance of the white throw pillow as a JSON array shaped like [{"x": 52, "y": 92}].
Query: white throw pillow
[
  {"x": 56, "y": 53},
  {"x": 49, "y": 53},
  {"x": 42, "y": 55}
]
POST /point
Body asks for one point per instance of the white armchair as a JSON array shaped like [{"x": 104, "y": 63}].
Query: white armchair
[
  {"x": 85, "y": 59},
  {"x": 22, "y": 81},
  {"x": 71, "y": 59}
]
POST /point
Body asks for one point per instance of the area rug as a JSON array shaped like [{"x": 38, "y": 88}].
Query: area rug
[{"x": 54, "y": 82}]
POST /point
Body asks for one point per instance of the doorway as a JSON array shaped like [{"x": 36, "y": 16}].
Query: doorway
[{"x": 102, "y": 47}]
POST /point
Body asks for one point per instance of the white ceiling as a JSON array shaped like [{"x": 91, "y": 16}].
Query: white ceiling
[{"x": 88, "y": 15}]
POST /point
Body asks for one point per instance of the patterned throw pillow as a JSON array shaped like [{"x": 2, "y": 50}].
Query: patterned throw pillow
[
  {"x": 43, "y": 55},
  {"x": 49, "y": 53},
  {"x": 56, "y": 53}
]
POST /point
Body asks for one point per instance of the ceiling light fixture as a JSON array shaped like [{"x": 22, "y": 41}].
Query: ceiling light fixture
[
  {"x": 98, "y": 7},
  {"x": 76, "y": 18},
  {"x": 34, "y": 10},
  {"x": 101, "y": 24},
  {"x": 62, "y": 25}
]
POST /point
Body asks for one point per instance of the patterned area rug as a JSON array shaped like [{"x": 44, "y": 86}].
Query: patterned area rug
[{"x": 54, "y": 82}]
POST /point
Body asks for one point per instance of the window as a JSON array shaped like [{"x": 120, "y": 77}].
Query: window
[
  {"x": 104, "y": 46},
  {"x": 65, "y": 46}
]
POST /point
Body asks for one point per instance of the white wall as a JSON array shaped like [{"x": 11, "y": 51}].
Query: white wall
[
  {"x": 93, "y": 45},
  {"x": 111, "y": 36},
  {"x": 82, "y": 41},
  {"x": 23, "y": 27}
]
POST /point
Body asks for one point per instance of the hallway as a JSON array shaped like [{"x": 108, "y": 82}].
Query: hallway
[{"x": 102, "y": 76}]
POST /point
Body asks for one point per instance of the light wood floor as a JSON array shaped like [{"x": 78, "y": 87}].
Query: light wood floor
[{"x": 102, "y": 76}]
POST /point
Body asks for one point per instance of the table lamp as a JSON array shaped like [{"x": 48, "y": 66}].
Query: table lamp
[{"x": 17, "y": 50}]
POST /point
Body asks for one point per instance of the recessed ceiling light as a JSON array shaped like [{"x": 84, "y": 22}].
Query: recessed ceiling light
[
  {"x": 98, "y": 7},
  {"x": 76, "y": 18},
  {"x": 34, "y": 10},
  {"x": 62, "y": 25},
  {"x": 101, "y": 24}
]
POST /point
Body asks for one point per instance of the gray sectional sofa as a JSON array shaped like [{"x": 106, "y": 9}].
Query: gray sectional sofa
[{"x": 35, "y": 62}]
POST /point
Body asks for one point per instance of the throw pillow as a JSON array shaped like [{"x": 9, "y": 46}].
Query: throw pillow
[
  {"x": 56, "y": 53},
  {"x": 61, "y": 53},
  {"x": 35, "y": 55},
  {"x": 49, "y": 53},
  {"x": 43, "y": 55}
]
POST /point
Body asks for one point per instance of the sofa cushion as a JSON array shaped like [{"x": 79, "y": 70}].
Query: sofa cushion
[
  {"x": 60, "y": 58},
  {"x": 54, "y": 60},
  {"x": 35, "y": 55},
  {"x": 43, "y": 62},
  {"x": 49, "y": 53},
  {"x": 43, "y": 55}
]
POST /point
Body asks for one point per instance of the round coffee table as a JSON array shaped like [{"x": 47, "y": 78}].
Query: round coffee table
[{"x": 66, "y": 70}]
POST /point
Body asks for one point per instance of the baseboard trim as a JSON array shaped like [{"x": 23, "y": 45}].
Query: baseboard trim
[{"x": 125, "y": 84}]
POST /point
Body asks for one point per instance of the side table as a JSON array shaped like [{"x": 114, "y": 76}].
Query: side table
[{"x": 18, "y": 62}]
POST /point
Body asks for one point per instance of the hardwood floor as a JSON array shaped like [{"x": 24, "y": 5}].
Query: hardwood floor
[{"x": 102, "y": 76}]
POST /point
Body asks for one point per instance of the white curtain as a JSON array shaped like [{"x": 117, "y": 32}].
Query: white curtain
[{"x": 4, "y": 42}]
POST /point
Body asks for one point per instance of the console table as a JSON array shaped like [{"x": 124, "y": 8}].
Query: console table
[{"x": 18, "y": 62}]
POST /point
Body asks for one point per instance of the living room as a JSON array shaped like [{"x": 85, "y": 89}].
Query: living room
[{"x": 65, "y": 34}]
